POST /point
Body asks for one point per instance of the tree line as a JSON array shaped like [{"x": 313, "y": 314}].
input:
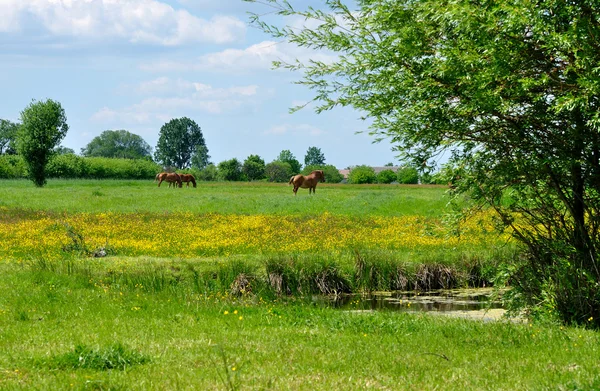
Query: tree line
[{"x": 32, "y": 148}]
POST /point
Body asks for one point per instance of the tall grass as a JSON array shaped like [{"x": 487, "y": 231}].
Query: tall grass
[{"x": 106, "y": 325}]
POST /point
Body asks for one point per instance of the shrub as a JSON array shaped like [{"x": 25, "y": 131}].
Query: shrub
[
  {"x": 362, "y": 174},
  {"x": 208, "y": 173},
  {"x": 12, "y": 166},
  {"x": 230, "y": 170},
  {"x": 408, "y": 176},
  {"x": 66, "y": 166},
  {"x": 386, "y": 176},
  {"x": 278, "y": 171}
]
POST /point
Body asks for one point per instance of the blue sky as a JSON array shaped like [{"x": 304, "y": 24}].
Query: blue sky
[{"x": 135, "y": 64}]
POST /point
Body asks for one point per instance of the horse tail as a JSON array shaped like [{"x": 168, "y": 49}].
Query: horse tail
[
  {"x": 193, "y": 180},
  {"x": 291, "y": 180}
]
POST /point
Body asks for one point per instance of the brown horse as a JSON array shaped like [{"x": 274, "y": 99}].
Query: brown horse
[
  {"x": 159, "y": 175},
  {"x": 171, "y": 177},
  {"x": 309, "y": 181},
  {"x": 187, "y": 178}
]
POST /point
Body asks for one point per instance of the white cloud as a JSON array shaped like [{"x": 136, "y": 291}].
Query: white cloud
[
  {"x": 137, "y": 21},
  {"x": 294, "y": 129},
  {"x": 169, "y": 98},
  {"x": 255, "y": 57}
]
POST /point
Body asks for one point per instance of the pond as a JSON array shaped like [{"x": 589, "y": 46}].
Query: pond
[{"x": 477, "y": 303}]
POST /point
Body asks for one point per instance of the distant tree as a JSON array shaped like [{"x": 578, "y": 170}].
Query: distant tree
[
  {"x": 44, "y": 125},
  {"x": 254, "y": 167},
  {"x": 331, "y": 173},
  {"x": 230, "y": 170},
  {"x": 60, "y": 150},
  {"x": 201, "y": 158},
  {"x": 287, "y": 157},
  {"x": 8, "y": 135},
  {"x": 314, "y": 157},
  {"x": 408, "y": 176},
  {"x": 278, "y": 171},
  {"x": 362, "y": 174},
  {"x": 386, "y": 176},
  {"x": 117, "y": 144},
  {"x": 390, "y": 164},
  {"x": 178, "y": 141},
  {"x": 208, "y": 173}
]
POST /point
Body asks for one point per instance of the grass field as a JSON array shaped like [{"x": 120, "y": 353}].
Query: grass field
[{"x": 195, "y": 292}]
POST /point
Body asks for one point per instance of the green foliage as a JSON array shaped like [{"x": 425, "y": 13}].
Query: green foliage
[
  {"x": 278, "y": 171},
  {"x": 62, "y": 150},
  {"x": 201, "y": 158},
  {"x": 386, "y": 176},
  {"x": 118, "y": 144},
  {"x": 104, "y": 168},
  {"x": 408, "y": 176},
  {"x": 230, "y": 170},
  {"x": 314, "y": 157},
  {"x": 510, "y": 88},
  {"x": 208, "y": 173},
  {"x": 362, "y": 174},
  {"x": 286, "y": 156},
  {"x": 178, "y": 141},
  {"x": 254, "y": 167},
  {"x": 8, "y": 135},
  {"x": 331, "y": 173},
  {"x": 67, "y": 166},
  {"x": 44, "y": 125},
  {"x": 12, "y": 166}
]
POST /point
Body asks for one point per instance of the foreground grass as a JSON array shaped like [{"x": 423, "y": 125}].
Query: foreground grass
[
  {"x": 120, "y": 196},
  {"x": 86, "y": 326}
]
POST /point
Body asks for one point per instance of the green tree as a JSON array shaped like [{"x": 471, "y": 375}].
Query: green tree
[
  {"x": 331, "y": 173},
  {"x": 277, "y": 171},
  {"x": 286, "y": 156},
  {"x": 178, "y": 141},
  {"x": 62, "y": 150},
  {"x": 117, "y": 144},
  {"x": 362, "y": 174},
  {"x": 386, "y": 176},
  {"x": 201, "y": 158},
  {"x": 511, "y": 88},
  {"x": 43, "y": 126},
  {"x": 254, "y": 167},
  {"x": 230, "y": 170},
  {"x": 314, "y": 157},
  {"x": 408, "y": 175},
  {"x": 8, "y": 135}
]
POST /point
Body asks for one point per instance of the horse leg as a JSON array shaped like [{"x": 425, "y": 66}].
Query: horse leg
[
  {"x": 295, "y": 189},
  {"x": 159, "y": 182}
]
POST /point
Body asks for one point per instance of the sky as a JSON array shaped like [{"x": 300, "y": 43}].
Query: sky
[{"x": 136, "y": 64}]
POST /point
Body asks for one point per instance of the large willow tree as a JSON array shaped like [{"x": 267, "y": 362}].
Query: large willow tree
[{"x": 512, "y": 87}]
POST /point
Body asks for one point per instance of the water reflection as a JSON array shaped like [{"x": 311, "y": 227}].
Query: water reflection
[{"x": 432, "y": 301}]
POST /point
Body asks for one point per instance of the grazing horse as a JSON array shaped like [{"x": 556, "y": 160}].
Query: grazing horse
[
  {"x": 187, "y": 178},
  {"x": 159, "y": 175},
  {"x": 172, "y": 178},
  {"x": 309, "y": 181}
]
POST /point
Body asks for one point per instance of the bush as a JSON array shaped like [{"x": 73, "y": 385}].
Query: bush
[
  {"x": 111, "y": 168},
  {"x": 408, "y": 176},
  {"x": 362, "y": 174},
  {"x": 332, "y": 174},
  {"x": 208, "y": 173},
  {"x": 278, "y": 171},
  {"x": 386, "y": 176},
  {"x": 12, "y": 166},
  {"x": 66, "y": 166},
  {"x": 230, "y": 170}
]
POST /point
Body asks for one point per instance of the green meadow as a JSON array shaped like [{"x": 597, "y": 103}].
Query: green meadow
[{"x": 247, "y": 318}]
